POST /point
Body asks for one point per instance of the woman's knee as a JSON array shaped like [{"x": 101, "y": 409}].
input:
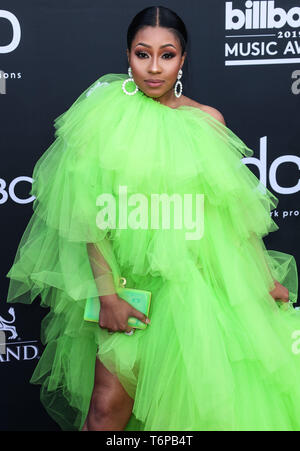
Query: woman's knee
[
  {"x": 102, "y": 405},
  {"x": 110, "y": 404}
]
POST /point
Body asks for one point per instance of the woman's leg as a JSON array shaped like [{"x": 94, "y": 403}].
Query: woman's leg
[{"x": 111, "y": 406}]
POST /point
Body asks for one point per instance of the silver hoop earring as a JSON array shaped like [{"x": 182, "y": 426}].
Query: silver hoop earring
[
  {"x": 178, "y": 83},
  {"x": 126, "y": 81}
]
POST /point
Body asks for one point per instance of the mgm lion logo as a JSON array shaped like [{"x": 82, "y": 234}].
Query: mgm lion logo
[{"x": 5, "y": 325}]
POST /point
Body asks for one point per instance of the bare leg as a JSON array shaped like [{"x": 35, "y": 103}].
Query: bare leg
[{"x": 110, "y": 406}]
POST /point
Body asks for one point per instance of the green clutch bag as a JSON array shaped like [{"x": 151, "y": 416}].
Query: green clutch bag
[{"x": 139, "y": 299}]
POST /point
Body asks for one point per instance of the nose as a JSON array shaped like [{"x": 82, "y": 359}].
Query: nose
[{"x": 154, "y": 66}]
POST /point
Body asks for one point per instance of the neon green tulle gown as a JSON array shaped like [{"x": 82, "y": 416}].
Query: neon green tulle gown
[{"x": 220, "y": 353}]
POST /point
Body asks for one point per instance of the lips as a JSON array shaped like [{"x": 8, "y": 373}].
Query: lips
[{"x": 154, "y": 82}]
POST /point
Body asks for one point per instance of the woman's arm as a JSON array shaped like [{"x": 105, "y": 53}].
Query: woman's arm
[
  {"x": 103, "y": 273},
  {"x": 115, "y": 311}
]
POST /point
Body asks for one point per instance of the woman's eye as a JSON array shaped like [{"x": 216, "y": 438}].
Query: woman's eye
[
  {"x": 170, "y": 55},
  {"x": 139, "y": 54},
  {"x": 165, "y": 55}
]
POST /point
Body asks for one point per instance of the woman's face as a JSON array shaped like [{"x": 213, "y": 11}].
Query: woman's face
[{"x": 155, "y": 55}]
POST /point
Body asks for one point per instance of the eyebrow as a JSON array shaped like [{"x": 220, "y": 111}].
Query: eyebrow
[{"x": 162, "y": 46}]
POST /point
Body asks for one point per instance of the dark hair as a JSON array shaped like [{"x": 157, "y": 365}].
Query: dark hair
[{"x": 160, "y": 16}]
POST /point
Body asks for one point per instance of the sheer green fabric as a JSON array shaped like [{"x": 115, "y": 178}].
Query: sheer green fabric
[
  {"x": 103, "y": 273},
  {"x": 218, "y": 354}
]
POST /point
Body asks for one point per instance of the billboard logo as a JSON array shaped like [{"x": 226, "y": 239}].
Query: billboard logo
[
  {"x": 16, "y": 32},
  {"x": 261, "y": 15},
  {"x": 270, "y": 173},
  {"x": 262, "y": 33},
  {"x": 11, "y": 347},
  {"x": 6, "y": 325}
]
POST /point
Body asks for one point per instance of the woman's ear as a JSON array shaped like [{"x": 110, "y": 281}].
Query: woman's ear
[{"x": 183, "y": 58}]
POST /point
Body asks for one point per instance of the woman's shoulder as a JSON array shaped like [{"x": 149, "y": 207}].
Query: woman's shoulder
[{"x": 207, "y": 109}]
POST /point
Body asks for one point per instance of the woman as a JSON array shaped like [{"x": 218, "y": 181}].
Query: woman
[{"x": 217, "y": 353}]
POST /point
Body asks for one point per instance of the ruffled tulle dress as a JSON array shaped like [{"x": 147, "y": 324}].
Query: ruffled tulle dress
[{"x": 220, "y": 353}]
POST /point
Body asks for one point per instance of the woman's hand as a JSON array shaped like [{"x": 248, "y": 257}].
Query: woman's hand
[
  {"x": 280, "y": 292},
  {"x": 114, "y": 314}
]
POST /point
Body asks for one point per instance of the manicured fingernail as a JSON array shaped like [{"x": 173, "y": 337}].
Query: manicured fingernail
[{"x": 147, "y": 320}]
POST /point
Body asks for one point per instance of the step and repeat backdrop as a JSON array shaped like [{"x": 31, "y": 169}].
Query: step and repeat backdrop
[{"x": 243, "y": 59}]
